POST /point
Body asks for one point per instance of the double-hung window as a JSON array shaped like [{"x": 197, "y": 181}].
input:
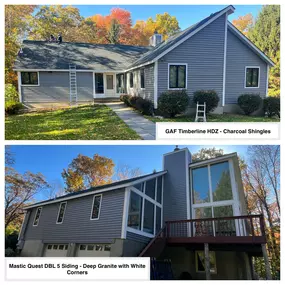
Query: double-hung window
[
  {"x": 61, "y": 212},
  {"x": 252, "y": 77},
  {"x": 177, "y": 74},
  {"x": 96, "y": 206},
  {"x": 37, "y": 216},
  {"x": 142, "y": 72},
  {"x": 30, "y": 78}
]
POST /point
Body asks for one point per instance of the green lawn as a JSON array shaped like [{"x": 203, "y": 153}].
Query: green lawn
[
  {"x": 216, "y": 118},
  {"x": 96, "y": 122}
]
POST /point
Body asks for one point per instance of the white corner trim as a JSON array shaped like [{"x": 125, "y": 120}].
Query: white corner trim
[
  {"x": 258, "y": 67},
  {"x": 20, "y": 87},
  {"x": 267, "y": 80},
  {"x": 186, "y": 75},
  {"x": 155, "y": 95},
  {"x": 257, "y": 50},
  {"x": 41, "y": 209},
  {"x": 138, "y": 232},
  {"x": 57, "y": 222},
  {"x": 225, "y": 60},
  {"x": 93, "y": 79},
  {"x": 95, "y": 219},
  {"x": 125, "y": 213}
]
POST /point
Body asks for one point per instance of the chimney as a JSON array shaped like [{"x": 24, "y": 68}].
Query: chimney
[
  {"x": 176, "y": 197},
  {"x": 155, "y": 39}
]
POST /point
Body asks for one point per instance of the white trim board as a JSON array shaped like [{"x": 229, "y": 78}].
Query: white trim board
[
  {"x": 249, "y": 43},
  {"x": 213, "y": 160},
  {"x": 110, "y": 188}
]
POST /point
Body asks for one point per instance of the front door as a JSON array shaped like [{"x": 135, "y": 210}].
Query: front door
[{"x": 110, "y": 85}]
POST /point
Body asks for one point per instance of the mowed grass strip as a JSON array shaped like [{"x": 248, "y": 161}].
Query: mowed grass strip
[{"x": 92, "y": 122}]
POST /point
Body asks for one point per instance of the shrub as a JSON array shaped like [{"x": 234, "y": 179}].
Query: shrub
[
  {"x": 249, "y": 103},
  {"x": 133, "y": 100},
  {"x": 210, "y": 97},
  {"x": 171, "y": 103},
  {"x": 11, "y": 94},
  {"x": 271, "y": 106},
  {"x": 126, "y": 99},
  {"x": 9, "y": 252},
  {"x": 12, "y": 108},
  {"x": 145, "y": 106}
]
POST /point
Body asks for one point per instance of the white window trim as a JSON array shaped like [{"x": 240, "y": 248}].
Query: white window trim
[
  {"x": 186, "y": 76},
  {"x": 95, "y": 219},
  {"x": 196, "y": 262},
  {"x": 57, "y": 222},
  {"x": 30, "y": 85},
  {"x": 141, "y": 78},
  {"x": 39, "y": 216},
  {"x": 258, "y": 67}
]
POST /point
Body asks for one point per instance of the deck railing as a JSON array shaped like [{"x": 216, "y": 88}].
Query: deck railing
[{"x": 245, "y": 226}]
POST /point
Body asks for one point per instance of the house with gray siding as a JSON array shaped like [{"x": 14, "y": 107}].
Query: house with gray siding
[
  {"x": 191, "y": 212},
  {"x": 209, "y": 55}
]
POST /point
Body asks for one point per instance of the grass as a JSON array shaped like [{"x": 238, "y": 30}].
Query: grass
[
  {"x": 215, "y": 118},
  {"x": 92, "y": 122}
]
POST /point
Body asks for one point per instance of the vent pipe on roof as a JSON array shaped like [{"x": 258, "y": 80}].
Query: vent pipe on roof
[
  {"x": 176, "y": 148},
  {"x": 155, "y": 39}
]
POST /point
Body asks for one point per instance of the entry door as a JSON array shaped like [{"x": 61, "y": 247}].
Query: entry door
[{"x": 110, "y": 85}]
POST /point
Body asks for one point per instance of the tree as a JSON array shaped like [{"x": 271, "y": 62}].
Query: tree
[
  {"x": 125, "y": 172},
  {"x": 113, "y": 33},
  {"x": 86, "y": 172},
  {"x": 265, "y": 34},
  {"x": 244, "y": 23},
  {"x": 20, "y": 189},
  {"x": 207, "y": 153},
  {"x": 15, "y": 27}
]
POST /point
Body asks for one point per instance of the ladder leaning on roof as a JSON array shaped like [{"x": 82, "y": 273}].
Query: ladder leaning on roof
[
  {"x": 72, "y": 84},
  {"x": 201, "y": 109}
]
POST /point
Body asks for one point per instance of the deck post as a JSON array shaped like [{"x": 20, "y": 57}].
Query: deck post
[
  {"x": 266, "y": 261},
  {"x": 207, "y": 261}
]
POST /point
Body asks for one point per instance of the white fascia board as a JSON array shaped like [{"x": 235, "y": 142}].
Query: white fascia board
[
  {"x": 213, "y": 160},
  {"x": 98, "y": 191},
  {"x": 249, "y": 43}
]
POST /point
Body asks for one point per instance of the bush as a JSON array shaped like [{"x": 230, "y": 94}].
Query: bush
[
  {"x": 11, "y": 94},
  {"x": 172, "y": 103},
  {"x": 9, "y": 252},
  {"x": 11, "y": 240},
  {"x": 126, "y": 99},
  {"x": 210, "y": 97},
  {"x": 145, "y": 106},
  {"x": 133, "y": 100},
  {"x": 12, "y": 108},
  {"x": 249, "y": 103},
  {"x": 271, "y": 106}
]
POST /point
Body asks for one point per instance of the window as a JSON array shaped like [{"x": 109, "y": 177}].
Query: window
[
  {"x": 107, "y": 248},
  {"x": 131, "y": 80},
  {"x": 30, "y": 78},
  {"x": 49, "y": 246},
  {"x": 139, "y": 186},
  {"x": 90, "y": 247},
  {"x": 95, "y": 213},
  {"x": 150, "y": 188},
  {"x": 55, "y": 246},
  {"x": 99, "y": 83},
  {"x": 37, "y": 216},
  {"x": 120, "y": 83},
  {"x": 177, "y": 76},
  {"x": 142, "y": 71},
  {"x": 200, "y": 185},
  {"x": 61, "y": 212},
  {"x": 159, "y": 189},
  {"x": 82, "y": 247},
  {"x": 148, "y": 222},
  {"x": 200, "y": 262},
  {"x": 61, "y": 247},
  {"x": 135, "y": 211},
  {"x": 252, "y": 77},
  {"x": 99, "y": 247}
]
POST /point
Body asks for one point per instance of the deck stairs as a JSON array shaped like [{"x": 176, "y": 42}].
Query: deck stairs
[
  {"x": 201, "y": 112},
  {"x": 72, "y": 84}
]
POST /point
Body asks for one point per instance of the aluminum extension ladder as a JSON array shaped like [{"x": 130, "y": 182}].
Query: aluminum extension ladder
[
  {"x": 72, "y": 84},
  {"x": 201, "y": 109}
]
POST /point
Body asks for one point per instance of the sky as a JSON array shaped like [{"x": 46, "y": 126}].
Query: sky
[
  {"x": 185, "y": 14},
  {"x": 50, "y": 160}
]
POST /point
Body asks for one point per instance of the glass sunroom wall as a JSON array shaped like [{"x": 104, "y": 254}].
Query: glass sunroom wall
[
  {"x": 212, "y": 188},
  {"x": 147, "y": 218}
]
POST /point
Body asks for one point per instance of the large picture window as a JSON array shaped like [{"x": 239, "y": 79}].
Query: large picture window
[
  {"x": 30, "y": 78},
  {"x": 252, "y": 77},
  {"x": 135, "y": 211},
  {"x": 177, "y": 76},
  {"x": 95, "y": 213}
]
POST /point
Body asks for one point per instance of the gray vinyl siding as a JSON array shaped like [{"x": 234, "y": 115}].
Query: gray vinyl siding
[
  {"x": 204, "y": 54},
  {"x": 239, "y": 56},
  {"x": 175, "y": 186},
  {"x": 54, "y": 87},
  {"x": 77, "y": 226},
  {"x": 138, "y": 238},
  {"x": 148, "y": 91}
]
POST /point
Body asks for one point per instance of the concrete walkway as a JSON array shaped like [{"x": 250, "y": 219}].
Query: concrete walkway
[{"x": 144, "y": 128}]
